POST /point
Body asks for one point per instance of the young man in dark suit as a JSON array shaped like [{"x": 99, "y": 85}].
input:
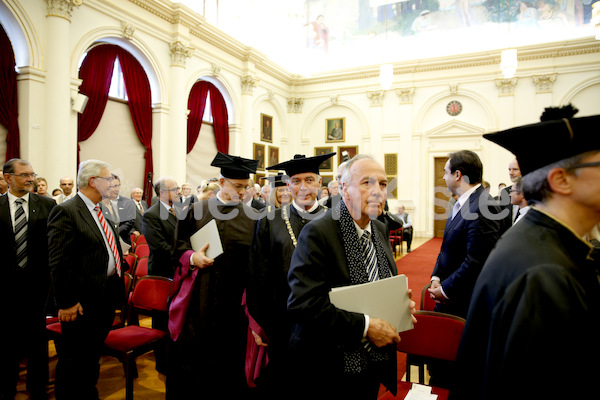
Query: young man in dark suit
[
  {"x": 24, "y": 248},
  {"x": 86, "y": 263}
]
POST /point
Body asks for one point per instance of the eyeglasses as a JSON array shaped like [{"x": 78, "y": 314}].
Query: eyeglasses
[
  {"x": 170, "y": 190},
  {"x": 109, "y": 179},
  {"x": 515, "y": 191},
  {"x": 238, "y": 186},
  {"x": 586, "y": 165},
  {"x": 24, "y": 176}
]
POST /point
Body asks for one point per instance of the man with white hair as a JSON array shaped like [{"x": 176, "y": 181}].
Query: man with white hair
[{"x": 86, "y": 263}]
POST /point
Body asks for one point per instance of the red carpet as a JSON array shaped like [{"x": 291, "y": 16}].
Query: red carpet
[{"x": 417, "y": 266}]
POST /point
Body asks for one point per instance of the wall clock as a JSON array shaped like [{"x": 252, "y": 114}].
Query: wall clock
[{"x": 454, "y": 108}]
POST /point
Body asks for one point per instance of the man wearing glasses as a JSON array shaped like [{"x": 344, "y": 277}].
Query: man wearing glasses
[
  {"x": 209, "y": 337},
  {"x": 536, "y": 303},
  {"x": 26, "y": 277},
  {"x": 87, "y": 265}
]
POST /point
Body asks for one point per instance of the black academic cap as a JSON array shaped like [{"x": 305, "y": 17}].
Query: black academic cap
[
  {"x": 234, "y": 167},
  {"x": 301, "y": 164},
  {"x": 276, "y": 180},
  {"x": 546, "y": 142}
]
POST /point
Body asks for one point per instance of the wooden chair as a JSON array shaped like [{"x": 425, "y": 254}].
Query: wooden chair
[
  {"x": 436, "y": 336},
  {"x": 150, "y": 294},
  {"x": 141, "y": 268},
  {"x": 131, "y": 260},
  {"x": 396, "y": 239}
]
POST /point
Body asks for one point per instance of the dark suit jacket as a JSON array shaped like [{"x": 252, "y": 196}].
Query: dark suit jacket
[
  {"x": 127, "y": 212},
  {"x": 78, "y": 255},
  {"x": 465, "y": 247},
  {"x": 320, "y": 330},
  {"x": 137, "y": 225},
  {"x": 257, "y": 204},
  {"x": 25, "y": 290},
  {"x": 159, "y": 234}
]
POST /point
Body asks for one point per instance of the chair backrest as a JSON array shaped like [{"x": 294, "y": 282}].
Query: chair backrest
[
  {"x": 141, "y": 239},
  {"x": 436, "y": 335},
  {"x": 142, "y": 250},
  {"x": 427, "y": 303},
  {"x": 128, "y": 278},
  {"x": 151, "y": 293},
  {"x": 131, "y": 260},
  {"x": 141, "y": 268}
]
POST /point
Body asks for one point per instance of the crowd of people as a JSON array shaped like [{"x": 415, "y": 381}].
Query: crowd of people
[{"x": 256, "y": 321}]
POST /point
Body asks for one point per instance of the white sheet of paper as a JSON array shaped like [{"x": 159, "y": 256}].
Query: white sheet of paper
[
  {"x": 124, "y": 246},
  {"x": 208, "y": 234},
  {"x": 385, "y": 298}
]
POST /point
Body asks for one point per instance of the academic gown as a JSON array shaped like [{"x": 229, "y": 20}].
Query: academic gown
[
  {"x": 268, "y": 289},
  {"x": 533, "y": 316},
  {"x": 208, "y": 357}
]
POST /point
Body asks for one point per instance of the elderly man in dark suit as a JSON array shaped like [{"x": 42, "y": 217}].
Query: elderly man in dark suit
[
  {"x": 158, "y": 226},
  {"x": 335, "y": 353},
  {"x": 24, "y": 248},
  {"x": 86, "y": 263}
]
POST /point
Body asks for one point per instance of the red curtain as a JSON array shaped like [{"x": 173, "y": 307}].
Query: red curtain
[
  {"x": 140, "y": 106},
  {"x": 196, "y": 105},
  {"x": 218, "y": 108},
  {"x": 220, "y": 119},
  {"x": 96, "y": 72},
  {"x": 9, "y": 106}
]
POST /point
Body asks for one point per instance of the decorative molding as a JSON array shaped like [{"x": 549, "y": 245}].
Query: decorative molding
[
  {"x": 270, "y": 95},
  {"x": 295, "y": 104},
  {"x": 216, "y": 70},
  {"x": 453, "y": 88},
  {"x": 60, "y": 8},
  {"x": 506, "y": 87},
  {"x": 249, "y": 82},
  {"x": 376, "y": 98},
  {"x": 128, "y": 29},
  {"x": 179, "y": 54},
  {"x": 405, "y": 95},
  {"x": 544, "y": 83},
  {"x": 334, "y": 99}
]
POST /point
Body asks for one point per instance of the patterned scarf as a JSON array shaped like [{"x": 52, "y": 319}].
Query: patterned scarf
[{"x": 364, "y": 356}]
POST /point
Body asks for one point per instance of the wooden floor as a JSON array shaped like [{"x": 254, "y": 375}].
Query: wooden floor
[{"x": 150, "y": 385}]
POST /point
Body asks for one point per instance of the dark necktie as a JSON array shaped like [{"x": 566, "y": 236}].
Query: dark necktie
[
  {"x": 517, "y": 215},
  {"x": 370, "y": 256},
  {"x": 21, "y": 234}
]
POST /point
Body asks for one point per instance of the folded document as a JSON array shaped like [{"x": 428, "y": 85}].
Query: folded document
[{"x": 385, "y": 298}]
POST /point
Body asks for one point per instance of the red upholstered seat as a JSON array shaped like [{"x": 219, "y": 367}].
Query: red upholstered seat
[
  {"x": 131, "y": 337},
  {"x": 141, "y": 268},
  {"x": 142, "y": 250},
  {"x": 427, "y": 303},
  {"x": 150, "y": 293}
]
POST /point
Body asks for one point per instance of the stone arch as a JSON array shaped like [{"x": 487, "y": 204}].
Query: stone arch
[
  {"x": 364, "y": 126},
  {"x": 224, "y": 87},
  {"x": 587, "y": 109},
  {"x": 140, "y": 50},
  {"x": 22, "y": 34}
]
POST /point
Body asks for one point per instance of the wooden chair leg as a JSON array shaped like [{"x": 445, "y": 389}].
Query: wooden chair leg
[{"x": 130, "y": 367}]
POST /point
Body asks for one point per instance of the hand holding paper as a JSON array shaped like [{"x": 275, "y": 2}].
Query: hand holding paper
[
  {"x": 206, "y": 244},
  {"x": 200, "y": 259}
]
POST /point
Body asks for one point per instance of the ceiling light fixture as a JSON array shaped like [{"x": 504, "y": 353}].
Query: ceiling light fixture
[{"x": 509, "y": 63}]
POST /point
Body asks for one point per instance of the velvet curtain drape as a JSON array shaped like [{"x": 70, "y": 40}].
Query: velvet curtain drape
[
  {"x": 9, "y": 106},
  {"x": 96, "y": 72},
  {"x": 218, "y": 108},
  {"x": 196, "y": 105}
]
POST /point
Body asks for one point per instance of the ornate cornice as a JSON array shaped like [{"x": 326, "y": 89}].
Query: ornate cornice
[
  {"x": 544, "y": 83},
  {"x": 295, "y": 104},
  {"x": 506, "y": 87},
  {"x": 249, "y": 82},
  {"x": 376, "y": 98},
  {"x": 405, "y": 95},
  {"x": 60, "y": 8},
  {"x": 179, "y": 54}
]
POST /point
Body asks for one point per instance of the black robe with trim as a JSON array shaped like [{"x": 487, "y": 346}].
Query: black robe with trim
[
  {"x": 207, "y": 360},
  {"x": 534, "y": 315},
  {"x": 268, "y": 289}
]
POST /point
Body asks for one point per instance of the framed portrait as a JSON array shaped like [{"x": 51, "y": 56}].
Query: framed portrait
[
  {"x": 266, "y": 128},
  {"x": 352, "y": 151},
  {"x": 273, "y": 155},
  {"x": 259, "y": 154},
  {"x": 327, "y": 165},
  {"x": 335, "y": 130},
  {"x": 326, "y": 179},
  {"x": 257, "y": 179}
]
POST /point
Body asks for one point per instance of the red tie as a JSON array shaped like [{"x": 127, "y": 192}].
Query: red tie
[{"x": 110, "y": 238}]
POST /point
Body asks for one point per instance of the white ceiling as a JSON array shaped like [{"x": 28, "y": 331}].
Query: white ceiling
[{"x": 371, "y": 32}]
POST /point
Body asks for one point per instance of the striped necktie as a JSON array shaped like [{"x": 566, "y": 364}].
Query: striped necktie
[
  {"x": 370, "y": 256},
  {"x": 110, "y": 238},
  {"x": 21, "y": 234}
]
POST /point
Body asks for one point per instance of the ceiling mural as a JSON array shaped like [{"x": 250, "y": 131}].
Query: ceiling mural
[{"x": 315, "y": 36}]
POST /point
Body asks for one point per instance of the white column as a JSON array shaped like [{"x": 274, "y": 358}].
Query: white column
[
  {"x": 61, "y": 138},
  {"x": 244, "y": 144}
]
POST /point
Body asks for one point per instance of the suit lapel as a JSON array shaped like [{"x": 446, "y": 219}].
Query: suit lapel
[
  {"x": 5, "y": 216},
  {"x": 87, "y": 217},
  {"x": 34, "y": 209}
]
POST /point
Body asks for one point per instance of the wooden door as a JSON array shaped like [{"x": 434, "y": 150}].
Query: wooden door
[{"x": 442, "y": 194}]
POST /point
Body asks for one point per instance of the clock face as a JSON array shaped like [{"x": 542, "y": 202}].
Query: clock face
[{"x": 454, "y": 108}]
